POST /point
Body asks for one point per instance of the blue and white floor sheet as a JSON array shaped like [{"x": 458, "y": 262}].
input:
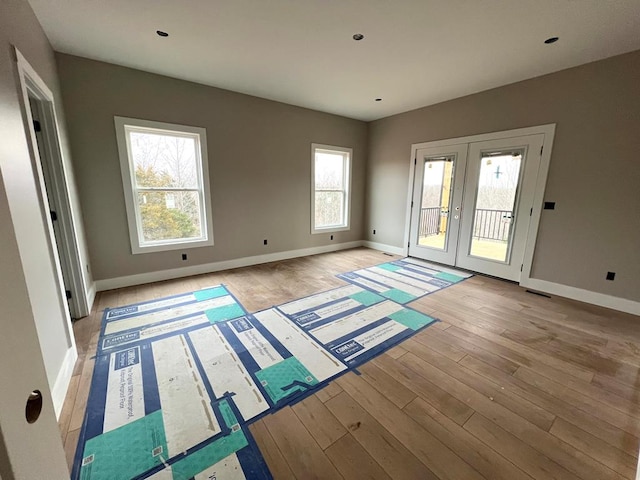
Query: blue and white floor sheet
[
  {"x": 170, "y": 395},
  {"x": 351, "y": 323},
  {"x": 177, "y": 380},
  {"x": 405, "y": 280}
]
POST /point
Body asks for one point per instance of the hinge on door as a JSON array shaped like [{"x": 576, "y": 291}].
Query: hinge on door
[
  {"x": 408, "y": 244},
  {"x": 68, "y": 294},
  {"x": 36, "y": 126},
  {"x": 541, "y": 148},
  {"x": 531, "y": 211},
  {"x": 411, "y": 203},
  {"x": 54, "y": 215},
  {"x": 415, "y": 161},
  {"x": 521, "y": 267}
]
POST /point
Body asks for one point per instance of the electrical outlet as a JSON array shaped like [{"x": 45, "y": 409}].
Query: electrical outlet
[
  {"x": 331, "y": 237},
  {"x": 611, "y": 276},
  {"x": 374, "y": 231},
  {"x": 265, "y": 241},
  {"x": 184, "y": 256}
]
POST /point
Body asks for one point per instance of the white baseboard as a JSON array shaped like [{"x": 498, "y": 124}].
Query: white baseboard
[
  {"x": 385, "y": 248},
  {"x": 91, "y": 296},
  {"x": 587, "y": 296},
  {"x": 59, "y": 390},
  {"x": 142, "y": 278},
  {"x": 594, "y": 298}
]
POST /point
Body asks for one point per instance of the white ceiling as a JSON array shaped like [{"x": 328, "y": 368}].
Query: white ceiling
[{"x": 301, "y": 52}]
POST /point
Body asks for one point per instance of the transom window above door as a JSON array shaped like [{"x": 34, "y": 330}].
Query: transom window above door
[{"x": 166, "y": 184}]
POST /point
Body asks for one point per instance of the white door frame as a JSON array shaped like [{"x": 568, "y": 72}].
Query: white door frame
[
  {"x": 547, "y": 130},
  {"x": 33, "y": 86}
]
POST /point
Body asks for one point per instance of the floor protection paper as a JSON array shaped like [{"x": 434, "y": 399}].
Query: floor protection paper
[
  {"x": 405, "y": 280},
  {"x": 178, "y": 380}
]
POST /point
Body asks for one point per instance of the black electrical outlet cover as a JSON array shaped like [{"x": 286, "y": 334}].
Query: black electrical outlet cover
[
  {"x": 374, "y": 232},
  {"x": 184, "y": 256},
  {"x": 265, "y": 241},
  {"x": 331, "y": 237},
  {"x": 611, "y": 275},
  {"x": 549, "y": 205}
]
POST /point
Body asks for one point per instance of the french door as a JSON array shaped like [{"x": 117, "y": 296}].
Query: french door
[{"x": 472, "y": 203}]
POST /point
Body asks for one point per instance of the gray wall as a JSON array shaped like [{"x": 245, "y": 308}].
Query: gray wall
[
  {"x": 259, "y": 164},
  {"x": 28, "y": 293},
  {"x": 594, "y": 176}
]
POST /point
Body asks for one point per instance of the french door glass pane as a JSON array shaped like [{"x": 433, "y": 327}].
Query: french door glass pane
[
  {"x": 169, "y": 215},
  {"x": 329, "y": 209},
  {"x": 437, "y": 185},
  {"x": 494, "y": 217}
]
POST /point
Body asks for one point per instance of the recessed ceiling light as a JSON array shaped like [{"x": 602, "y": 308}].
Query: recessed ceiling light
[
  {"x": 161, "y": 33},
  {"x": 551, "y": 40},
  {"x": 358, "y": 36},
  {"x": 378, "y": 99}
]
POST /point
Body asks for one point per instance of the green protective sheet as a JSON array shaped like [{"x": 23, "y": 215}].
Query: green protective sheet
[
  {"x": 126, "y": 451},
  {"x": 276, "y": 377},
  {"x": 449, "y": 277},
  {"x": 226, "y": 312},
  {"x": 366, "y": 298},
  {"x": 209, "y": 293},
  {"x": 412, "y": 319},
  {"x": 390, "y": 267},
  {"x": 399, "y": 296}
]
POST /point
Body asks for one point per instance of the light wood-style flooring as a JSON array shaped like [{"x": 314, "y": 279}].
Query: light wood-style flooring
[{"x": 509, "y": 385}]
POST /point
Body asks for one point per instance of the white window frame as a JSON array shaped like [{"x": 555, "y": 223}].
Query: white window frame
[
  {"x": 347, "y": 154},
  {"x": 123, "y": 126}
]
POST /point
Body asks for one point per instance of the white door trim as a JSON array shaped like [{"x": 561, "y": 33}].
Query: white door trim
[
  {"x": 547, "y": 130},
  {"x": 33, "y": 86}
]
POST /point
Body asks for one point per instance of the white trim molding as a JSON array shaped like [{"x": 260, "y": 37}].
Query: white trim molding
[
  {"x": 587, "y": 296},
  {"x": 347, "y": 158},
  {"x": 124, "y": 127},
  {"x": 385, "y": 248},
  {"x": 158, "y": 276},
  {"x": 32, "y": 86},
  {"x": 594, "y": 298},
  {"x": 61, "y": 385},
  {"x": 547, "y": 130},
  {"x": 91, "y": 296}
]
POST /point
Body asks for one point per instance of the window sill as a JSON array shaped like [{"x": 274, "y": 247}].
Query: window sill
[
  {"x": 136, "y": 249},
  {"x": 344, "y": 228}
]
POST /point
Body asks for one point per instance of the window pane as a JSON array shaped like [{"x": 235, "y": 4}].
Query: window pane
[
  {"x": 329, "y": 209},
  {"x": 436, "y": 196},
  {"x": 164, "y": 160},
  {"x": 495, "y": 203},
  {"x": 169, "y": 215},
  {"x": 329, "y": 171}
]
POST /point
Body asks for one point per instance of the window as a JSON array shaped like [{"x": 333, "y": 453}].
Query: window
[
  {"x": 330, "y": 196},
  {"x": 166, "y": 184}
]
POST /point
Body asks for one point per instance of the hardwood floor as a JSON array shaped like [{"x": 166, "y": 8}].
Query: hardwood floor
[{"x": 509, "y": 385}]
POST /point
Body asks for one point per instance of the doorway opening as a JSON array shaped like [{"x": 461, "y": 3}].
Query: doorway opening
[
  {"x": 54, "y": 194},
  {"x": 475, "y": 202}
]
